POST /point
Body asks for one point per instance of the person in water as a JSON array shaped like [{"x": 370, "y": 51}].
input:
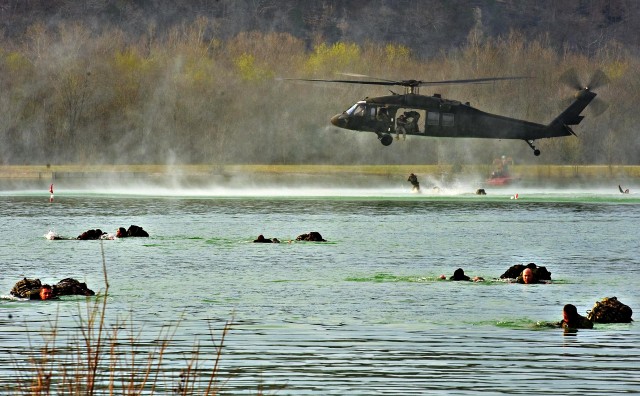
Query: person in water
[
  {"x": 571, "y": 319},
  {"x": 626, "y": 191},
  {"x": 527, "y": 276},
  {"x": 91, "y": 234},
  {"x": 46, "y": 293},
  {"x": 413, "y": 179},
  {"x": 132, "y": 231},
  {"x": 33, "y": 289},
  {"x": 262, "y": 239},
  {"x": 532, "y": 273},
  {"x": 458, "y": 275},
  {"x": 313, "y": 236}
]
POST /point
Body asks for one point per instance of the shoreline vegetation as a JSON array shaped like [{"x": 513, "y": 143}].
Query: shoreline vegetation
[
  {"x": 99, "y": 358},
  {"x": 80, "y": 92},
  {"x": 523, "y": 172}
]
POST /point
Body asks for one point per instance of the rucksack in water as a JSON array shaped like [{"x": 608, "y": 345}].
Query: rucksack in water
[
  {"x": 610, "y": 310},
  {"x": 26, "y": 287}
]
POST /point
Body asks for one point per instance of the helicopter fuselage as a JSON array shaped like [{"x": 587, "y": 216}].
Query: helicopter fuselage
[
  {"x": 414, "y": 114},
  {"x": 444, "y": 118}
]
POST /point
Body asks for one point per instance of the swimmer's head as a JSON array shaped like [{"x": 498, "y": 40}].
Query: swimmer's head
[
  {"x": 46, "y": 292},
  {"x": 569, "y": 312},
  {"x": 527, "y": 276}
]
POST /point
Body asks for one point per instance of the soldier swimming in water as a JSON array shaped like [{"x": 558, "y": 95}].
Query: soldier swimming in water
[
  {"x": 572, "y": 320},
  {"x": 413, "y": 179},
  {"x": 33, "y": 289}
]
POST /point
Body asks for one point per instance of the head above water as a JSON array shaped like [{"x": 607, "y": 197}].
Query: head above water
[
  {"x": 570, "y": 309},
  {"x": 569, "y": 312},
  {"x": 527, "y": 276},
  {"x": 459, "y": 275},
  {"x": 46, "y": 292}
]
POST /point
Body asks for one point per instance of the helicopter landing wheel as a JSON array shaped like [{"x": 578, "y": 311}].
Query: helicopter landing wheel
[
  {"x": 386, "y": 139},
  {"x": 536, "y": 152}
]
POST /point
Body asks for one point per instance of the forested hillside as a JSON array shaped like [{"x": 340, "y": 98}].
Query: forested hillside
[{"x": 152, "y": 81}]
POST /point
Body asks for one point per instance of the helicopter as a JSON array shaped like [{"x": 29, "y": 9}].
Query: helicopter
[{"x": 422, "y": 115}]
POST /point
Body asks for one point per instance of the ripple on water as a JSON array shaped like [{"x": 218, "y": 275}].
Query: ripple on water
[{"x": 362, "y": 314}]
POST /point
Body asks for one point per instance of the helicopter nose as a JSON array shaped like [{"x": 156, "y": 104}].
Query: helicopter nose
[{"x": 339, "y": 120}]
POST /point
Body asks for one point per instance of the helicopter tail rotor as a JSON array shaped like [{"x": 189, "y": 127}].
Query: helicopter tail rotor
[
  {"x": 570, "y": 78},
  {"x": 598, "y": 106},
  {"x": 598, "y": 79}
]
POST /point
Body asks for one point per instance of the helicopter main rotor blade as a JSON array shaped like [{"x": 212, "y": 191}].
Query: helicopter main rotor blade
[
  {"x": 414, "y": 83},
  {"x": 471, "y": 80},
  {"x": 367, "y": 77},
  {"x": 346, "y": 81}
]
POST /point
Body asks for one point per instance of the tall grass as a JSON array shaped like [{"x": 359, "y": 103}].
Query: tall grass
[{"x": 101, "y": 360}]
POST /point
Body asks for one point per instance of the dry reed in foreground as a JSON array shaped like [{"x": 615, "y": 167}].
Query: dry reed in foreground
[{"x": 101, "y": 360}]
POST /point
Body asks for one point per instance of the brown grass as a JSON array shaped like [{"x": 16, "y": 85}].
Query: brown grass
[{"x": 102, "y": 361}]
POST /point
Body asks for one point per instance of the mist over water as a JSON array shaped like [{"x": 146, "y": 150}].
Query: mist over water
[{"x": 292, "y": 186}]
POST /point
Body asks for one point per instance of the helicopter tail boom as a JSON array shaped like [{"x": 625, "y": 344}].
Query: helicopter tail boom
[{"x": 571, "y": 115}]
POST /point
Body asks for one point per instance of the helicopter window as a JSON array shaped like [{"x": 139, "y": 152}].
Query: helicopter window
[
  {"x": 447, "y": 119},
  {"x": 356, "y": 110},
  {"x": 433, "y": 118}
]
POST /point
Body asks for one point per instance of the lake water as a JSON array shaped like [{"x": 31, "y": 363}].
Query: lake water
[{"x": 363, "y": 313}]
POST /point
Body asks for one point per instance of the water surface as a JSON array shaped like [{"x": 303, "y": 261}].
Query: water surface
[{"x": 363, "y": 313}]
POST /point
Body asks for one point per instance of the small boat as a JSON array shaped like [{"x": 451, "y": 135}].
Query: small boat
[
  {"x": 501, "y": 180},
  {"x": 501, "y": 176}
]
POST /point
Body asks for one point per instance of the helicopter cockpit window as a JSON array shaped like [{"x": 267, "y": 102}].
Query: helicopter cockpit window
[
  {"x": 433, "y": 118},
  {"x": 447, "y": 119},
  {"x": 356, "y": 110}
]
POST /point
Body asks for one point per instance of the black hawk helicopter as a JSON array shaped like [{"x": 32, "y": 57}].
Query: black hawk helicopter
[{"x": 450, "y": 118}]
